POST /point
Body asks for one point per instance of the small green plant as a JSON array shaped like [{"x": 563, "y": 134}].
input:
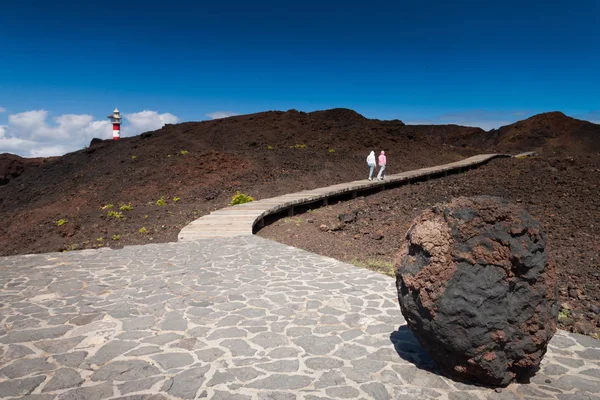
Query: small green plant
[
  {"x": 126, "y": 207},
  {"x": 332, "y": 151},
  {"x": 240, "y": 198},
  {"x": 133, "y": 157},
  {"x": 269, "y": 147},
  {"x": 115, "y": 214},
  {"x": 563, "y": 314},
  {"x": 116, "y": 237},
  {"x": 145, "y": 216},
  {"x": 100, "y": 239},
  {"x": 161, "y": 202},
  {"x": 183, "y": 152},
  {"x": 176, "y": 199},
  {"x": 107, "y": 207},
  {"x": 71, "y": 247},
  {"x": 143, "y": 230},
  {"x": 61, "y": 222},
  {"x": 298, "y": 146},
  {"x": 295, "y": 220}
]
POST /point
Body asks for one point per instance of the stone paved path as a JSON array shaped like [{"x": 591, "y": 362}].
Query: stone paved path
[{"x": 241, "y": 318}]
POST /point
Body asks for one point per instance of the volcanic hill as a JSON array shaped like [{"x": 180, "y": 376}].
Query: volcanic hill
[
  {"x": 549, "y": 133},
  {"x": 195, "y": 167}
]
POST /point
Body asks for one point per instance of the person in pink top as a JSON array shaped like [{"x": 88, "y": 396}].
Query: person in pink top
[{"x": 382, "y": 163}]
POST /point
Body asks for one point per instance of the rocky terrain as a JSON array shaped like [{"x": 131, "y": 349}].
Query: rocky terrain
[
  {"x": 13, "y": 166},
  {"x": 560, "y": 192},
  {"x": 196, "y": 167},
  {"x": 144, "y": 189}
]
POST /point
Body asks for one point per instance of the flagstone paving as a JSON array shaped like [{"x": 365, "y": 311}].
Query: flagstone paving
[{"x": 231, "y": 318}]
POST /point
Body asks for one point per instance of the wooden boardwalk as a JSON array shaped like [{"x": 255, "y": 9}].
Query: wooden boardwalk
[{"x": 241, "y": 219}]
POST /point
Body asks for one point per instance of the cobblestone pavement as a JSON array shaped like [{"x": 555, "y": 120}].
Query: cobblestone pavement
[{"x": 240, "y": 318}]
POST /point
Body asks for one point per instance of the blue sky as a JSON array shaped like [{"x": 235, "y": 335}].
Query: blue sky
[{"x": 469, "y": 62}]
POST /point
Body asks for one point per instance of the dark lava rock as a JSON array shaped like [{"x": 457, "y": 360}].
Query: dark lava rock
[
  {"x": 96, "y": 141},
  {"x": 349, "y": 217},
  {"x": 376, "y": 236},
  {"x": 478, "y": 288}
]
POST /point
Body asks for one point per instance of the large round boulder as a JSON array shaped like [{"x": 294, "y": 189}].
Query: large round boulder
[{"x": 477, "y": 287}]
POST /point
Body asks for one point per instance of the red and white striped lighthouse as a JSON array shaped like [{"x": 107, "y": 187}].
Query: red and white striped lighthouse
[{"x": 115, "y": 118}]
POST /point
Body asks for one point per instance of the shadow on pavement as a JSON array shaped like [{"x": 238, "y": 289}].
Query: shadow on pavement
[{"x": 409, "y": 349}]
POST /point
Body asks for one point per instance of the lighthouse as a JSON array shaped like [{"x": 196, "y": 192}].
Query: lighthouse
[{"x": 115, "y": 118}]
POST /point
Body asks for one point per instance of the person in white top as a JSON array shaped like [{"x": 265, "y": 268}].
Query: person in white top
[{"x": 371, "y": 164}]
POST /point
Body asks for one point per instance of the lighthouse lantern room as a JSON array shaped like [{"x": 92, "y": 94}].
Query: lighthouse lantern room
[{"x": 115, "y": 118}]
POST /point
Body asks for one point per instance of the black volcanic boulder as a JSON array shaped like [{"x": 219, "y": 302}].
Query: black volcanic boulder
[{"x": 477, "y": 287}]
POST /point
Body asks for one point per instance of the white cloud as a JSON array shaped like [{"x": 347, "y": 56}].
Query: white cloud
[
  {"x": 14, "y": 145},
  {"x": 221, "y": 114},
  {"x": 32, "y": 125},
  {"x": 30, "y": 134},
  {"x": 144, "y": 121},
  {"x": 2, "y": 109},
  {"x": 50, "y": 151}
]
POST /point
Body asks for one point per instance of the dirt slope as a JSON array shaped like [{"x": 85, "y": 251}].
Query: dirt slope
[
  {"x": 548, "y": 133},
  {"x": 198, "y": 166},
  {"x": 202, "y": 164},
  {"x": 12, "y": 166}
]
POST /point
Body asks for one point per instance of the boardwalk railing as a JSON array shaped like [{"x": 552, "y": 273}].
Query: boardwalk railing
[{"x": 241, "y": 219}]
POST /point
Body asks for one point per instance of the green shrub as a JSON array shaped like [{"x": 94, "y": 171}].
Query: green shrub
[
  {"x": 61, "y": 222},
  {"x": 133, "y": 157},
  {"x": 115, "y": 214},
  {"x": 143, "y": 230},
  {"x": 71, "y": 247},
  {"x": 126, "y": 207},
  {"x": 563, "y": 314},
  {"x": 240, "y": 198},
  {"x": 116, "y": 237},
  {"x": 107, "y": 207},
  {"x": 269, "y": 147},
  {"x": 331, "y": 150},
  {"x": 184, "y": 152},
  {"x": 176, "y": 199},
  {"x": 161, "y": 202}
]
